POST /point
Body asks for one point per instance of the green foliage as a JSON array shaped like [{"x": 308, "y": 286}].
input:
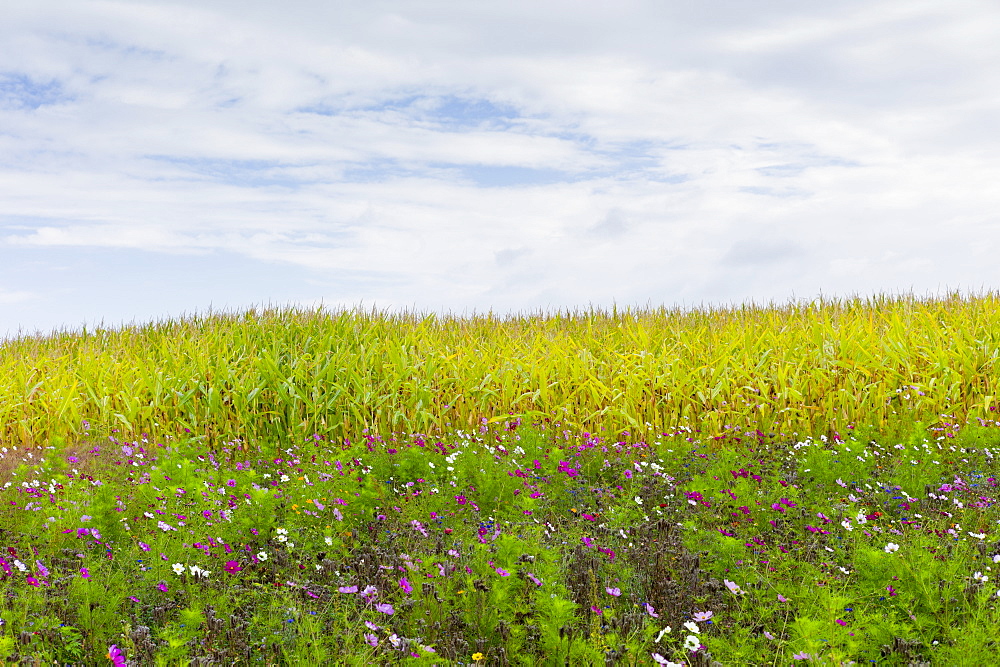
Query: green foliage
[{"x": 295, "y": 524}]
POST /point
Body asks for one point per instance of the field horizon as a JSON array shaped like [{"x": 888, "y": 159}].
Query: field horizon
[{"x": 800, "y": 368}]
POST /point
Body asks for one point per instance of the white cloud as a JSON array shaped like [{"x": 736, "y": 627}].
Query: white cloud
[
  {"x": 11, "y": 297},
  {"x": 507, "y": 155}
]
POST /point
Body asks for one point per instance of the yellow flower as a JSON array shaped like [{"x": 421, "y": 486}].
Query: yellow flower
[{"x": 477, "y": 656}]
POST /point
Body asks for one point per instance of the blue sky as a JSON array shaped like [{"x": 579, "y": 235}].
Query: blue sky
[{"x": 159, "y": 158}]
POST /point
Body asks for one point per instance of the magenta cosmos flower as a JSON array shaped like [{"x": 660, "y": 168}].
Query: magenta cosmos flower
[{"x": 116, "y": 656}]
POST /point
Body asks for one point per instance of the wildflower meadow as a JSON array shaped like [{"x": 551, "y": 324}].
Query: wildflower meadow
[{"x": 773, "y": 486}]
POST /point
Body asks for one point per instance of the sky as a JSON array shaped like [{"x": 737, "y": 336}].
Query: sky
[{"x": 163, "y": 158}]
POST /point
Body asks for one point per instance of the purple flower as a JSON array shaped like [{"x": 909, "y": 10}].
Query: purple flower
[
  {"x": 892, "y": 591},
  {"x": 348, "y": 589},
  {"x": 371, "y": 639},
  {"x": 162, "y": 586},
  {"x": 385, "y": 608},
  {"x": 32, "y": 581},
  {"x": 84, "y": 572},
  {"x": 702, "y": 616},
  {"x": 231, "y": 483},
  {"x": 232, "y": 566},
  {"x": 651, "y": 610},
  {"x": 613, "y": 591},
  {"x": 405, "y": 585},
  {"x": 801, "y": 656},
  {"x": 116, "y": 656},
  {"x": 840, "y": 622},
  {"x": 502, "y": 572}
]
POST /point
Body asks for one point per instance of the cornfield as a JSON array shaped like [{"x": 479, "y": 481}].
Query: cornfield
[{"x": 278, "y": 375}]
